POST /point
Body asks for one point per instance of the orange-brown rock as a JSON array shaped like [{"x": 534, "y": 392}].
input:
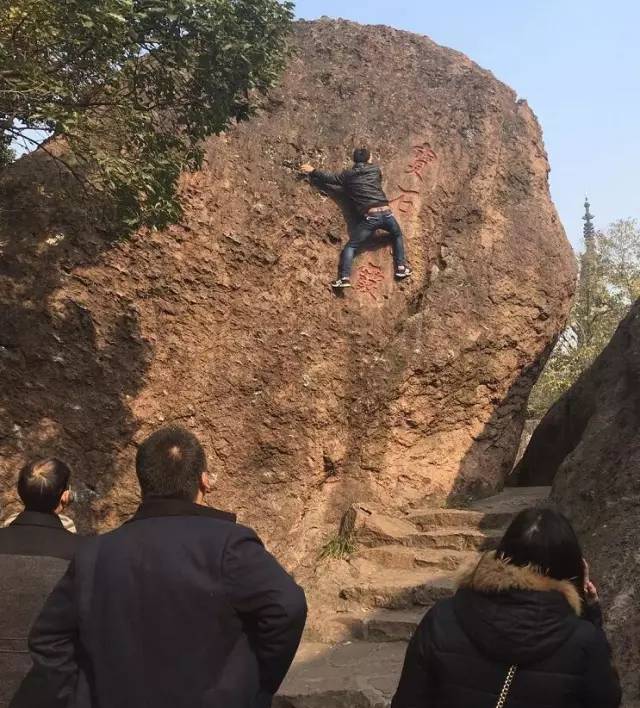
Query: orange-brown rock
[
  {"x": 588, "y": 446},
  {"x": 396, "y": 394}
]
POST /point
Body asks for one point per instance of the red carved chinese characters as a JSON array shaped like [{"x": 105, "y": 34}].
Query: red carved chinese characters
[
  {"x": 422, "y": 157},
  {"x": 405, "y": 202}
]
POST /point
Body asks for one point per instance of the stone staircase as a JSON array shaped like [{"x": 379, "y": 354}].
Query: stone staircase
[{"x": 354, "y": 646}]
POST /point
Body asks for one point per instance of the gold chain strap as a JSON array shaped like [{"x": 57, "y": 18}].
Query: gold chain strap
[{"x": 505, "y": 689}]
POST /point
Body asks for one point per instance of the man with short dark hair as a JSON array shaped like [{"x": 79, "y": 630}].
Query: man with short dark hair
[
  {"x": 170, "y": 464},
  {"x": 35, "y": 550},
  {"x": 180, "y": 607},
  {"x": 362, "y": 186}
]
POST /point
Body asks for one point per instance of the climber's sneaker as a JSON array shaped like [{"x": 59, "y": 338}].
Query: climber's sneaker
[
  {"x": 403, "y": 272},
  {"x": 341, "y": 283}
]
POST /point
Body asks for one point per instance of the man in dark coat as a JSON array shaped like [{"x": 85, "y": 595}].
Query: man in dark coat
[
  {"x": 362, "y": 187},
  {"x": 180, "y": 607},
  {"x": 35, "y": 550}
]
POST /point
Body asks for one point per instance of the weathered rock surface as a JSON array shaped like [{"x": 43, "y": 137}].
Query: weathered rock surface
[
  {"x": 588, "y": 445},
  {"x": 396, "y": 394}
]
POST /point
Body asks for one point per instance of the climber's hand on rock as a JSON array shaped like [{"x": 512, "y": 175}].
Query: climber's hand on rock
[{"x": 307, "y": 169}]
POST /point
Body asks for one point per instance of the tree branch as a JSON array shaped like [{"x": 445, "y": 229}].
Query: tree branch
[{"x": 41, "y": 146}]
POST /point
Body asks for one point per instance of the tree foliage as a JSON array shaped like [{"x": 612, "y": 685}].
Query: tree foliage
[
  {"x": 131, "y": 87},
  {"x": 609, "y": 283},
  {"x": 7, "y": 154}
]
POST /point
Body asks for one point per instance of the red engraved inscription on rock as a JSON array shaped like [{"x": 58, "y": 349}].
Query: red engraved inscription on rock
[
  {"x": 406, "y": 201},
  {"x": 422, "y": 156}
]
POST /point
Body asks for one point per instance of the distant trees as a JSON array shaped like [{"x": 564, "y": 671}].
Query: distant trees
[
  {"x": 7, "y": 155},
  {"x": 608, "y": 285},
  {"x": 131, "y": 87}
]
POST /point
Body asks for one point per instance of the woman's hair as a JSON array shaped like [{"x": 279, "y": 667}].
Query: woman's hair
[{"x": 544, "y": 538}]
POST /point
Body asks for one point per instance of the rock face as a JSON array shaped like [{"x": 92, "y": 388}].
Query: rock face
[
  {"x": 589, "y": 446},
  {"x": 399, "y": 394}
]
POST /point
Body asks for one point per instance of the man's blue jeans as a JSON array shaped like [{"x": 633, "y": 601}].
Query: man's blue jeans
[{"x": 362, "y": 232}]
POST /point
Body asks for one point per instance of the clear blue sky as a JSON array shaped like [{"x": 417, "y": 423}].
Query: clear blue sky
[{"x": 576, "y": 63}]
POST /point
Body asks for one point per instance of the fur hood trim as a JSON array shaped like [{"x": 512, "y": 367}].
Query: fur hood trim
[{"x": 494, "y": 574}]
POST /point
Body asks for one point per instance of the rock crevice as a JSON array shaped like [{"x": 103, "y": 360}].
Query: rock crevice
[{"x": 588, "y": 446}]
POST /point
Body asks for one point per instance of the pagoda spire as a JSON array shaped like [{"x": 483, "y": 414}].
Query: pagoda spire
[{"x": 589, "y": 229}]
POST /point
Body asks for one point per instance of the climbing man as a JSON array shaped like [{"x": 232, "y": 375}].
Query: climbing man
[{"x": 362, "y": 186}]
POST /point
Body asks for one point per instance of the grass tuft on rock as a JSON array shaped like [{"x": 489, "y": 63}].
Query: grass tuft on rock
[{"x": 339, "y": 548}]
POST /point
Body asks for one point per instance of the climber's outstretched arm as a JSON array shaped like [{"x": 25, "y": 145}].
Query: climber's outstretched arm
[
  {"x": 322, "y": 178},
  {"x": 328, "y": 179}
]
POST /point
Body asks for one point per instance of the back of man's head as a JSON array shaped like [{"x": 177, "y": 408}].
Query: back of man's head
[
  {"x": 361, "y": 155},
  {"x": 170, "y": 464},
  {"x": 41, "y": 484}
]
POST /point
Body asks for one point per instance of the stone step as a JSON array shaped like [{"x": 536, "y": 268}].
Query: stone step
[
  {"x": 370, "y": 529},
  {"x": 433, "y": 519},
  {"x": 454, "y": 539},
  {"x": 392, "y": 625},
  {"x": 404, "y": 564},
  {"x": 351, "y": 675},
  {"x": 388, "y": 589},
  {"x": 513, "y": 500},
  {"x": 407, "y": 558},
  {"x": 441, "y": 539},
  {"x": 372, "y": 625}
]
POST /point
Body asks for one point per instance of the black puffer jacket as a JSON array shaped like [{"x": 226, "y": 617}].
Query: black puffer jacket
[
  {"x": 503, "y": 615},
  {"x": 362, "y": 185}
]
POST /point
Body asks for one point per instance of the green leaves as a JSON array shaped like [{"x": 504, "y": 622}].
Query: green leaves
[
  {"x": 609, "y": 284},
  {"x": 133, "y": 86}
]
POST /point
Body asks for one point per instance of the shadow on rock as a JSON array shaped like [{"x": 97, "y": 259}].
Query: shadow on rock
[{"x": 68, "y": 375}]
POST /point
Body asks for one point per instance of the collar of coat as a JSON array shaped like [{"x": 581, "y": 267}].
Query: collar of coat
[
  {"x": 38, "y": 518},
  {"x": 155, "y": 507},
  {"x": 493, "y": 574}
]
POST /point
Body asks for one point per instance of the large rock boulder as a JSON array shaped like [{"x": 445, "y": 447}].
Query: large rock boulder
[
  {"x": 395, "y": 394},
  {"x": 588, "y": 445}
]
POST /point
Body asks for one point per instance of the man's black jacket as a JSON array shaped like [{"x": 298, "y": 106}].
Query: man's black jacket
[
  {"x": 503, "y": 616},
  {"x": 35, "y": 551},
  {"x": 180, "y": 607},
  {"x": 362, "y": 185}
]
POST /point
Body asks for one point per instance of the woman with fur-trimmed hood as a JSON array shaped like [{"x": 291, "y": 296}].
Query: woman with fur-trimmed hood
[{"x": 524, "y": 630}]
